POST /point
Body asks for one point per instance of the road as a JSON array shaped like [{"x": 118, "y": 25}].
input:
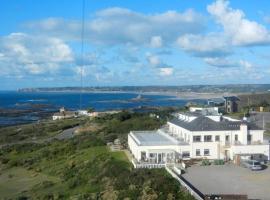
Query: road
[
  {"x": 66, "y": 134},
  {"x": 261, "y": 119}
]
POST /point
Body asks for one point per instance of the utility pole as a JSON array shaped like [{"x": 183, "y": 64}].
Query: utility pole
[{"x": 82, "y": 51}]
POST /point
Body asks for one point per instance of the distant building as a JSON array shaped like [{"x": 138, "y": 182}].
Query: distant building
[
  {"x": 227, "y": 104},
  {"x": 64, "y": 114},
  {"x": 205, "y": 110},
  {"x": 231, "y": 104},
  {"x": 215, "y": 102}
]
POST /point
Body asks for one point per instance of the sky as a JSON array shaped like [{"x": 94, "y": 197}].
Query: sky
[{"x": 134, "y": 43}]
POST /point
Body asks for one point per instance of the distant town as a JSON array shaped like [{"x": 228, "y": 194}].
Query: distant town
[{"x": 230, "y": 88}]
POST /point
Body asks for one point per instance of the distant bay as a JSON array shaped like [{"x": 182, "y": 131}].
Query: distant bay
[{"x": 26, "y": 107}]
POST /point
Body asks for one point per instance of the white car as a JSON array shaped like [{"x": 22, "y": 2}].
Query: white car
[{"x": 252, "y": 164}]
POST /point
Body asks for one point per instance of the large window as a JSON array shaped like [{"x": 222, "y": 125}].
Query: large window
[
  {"x": 206, "y": 152},
  {"x": 198, "y": 152},
  {"x": 208, "y": 138},
  {"x": 196, "y": 138},
  {"x": 217, "y": 138}
]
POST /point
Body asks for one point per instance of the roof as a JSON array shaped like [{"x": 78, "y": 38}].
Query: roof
[
  {"x": 216, "y": 100},
  {"x": 231, "y": 98},
  {"x": 204, "y": 123},
  {"x": 153, "y": 138}
]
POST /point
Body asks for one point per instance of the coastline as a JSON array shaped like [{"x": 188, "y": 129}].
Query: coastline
[{"x": 174, "y": 95}]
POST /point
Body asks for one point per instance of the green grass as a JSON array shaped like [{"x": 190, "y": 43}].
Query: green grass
[
  {"x": 41, "y": 130},
  {"x": 84, "y": 168},
  {"x": 17, "y": 179},
  {"x": 237, "y": 115}
]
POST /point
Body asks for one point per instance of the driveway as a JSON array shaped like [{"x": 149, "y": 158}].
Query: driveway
[
  {"x": 66, "y": 134},
  {"x": 230, "y": 179}
]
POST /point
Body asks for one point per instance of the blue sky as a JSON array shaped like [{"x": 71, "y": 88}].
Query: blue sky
[{"x": 128, "y": 42}]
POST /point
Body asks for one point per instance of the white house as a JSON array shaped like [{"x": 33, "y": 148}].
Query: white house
[
  {"x": 63, "y": 114},
  {"x": 198, "y": 135}
]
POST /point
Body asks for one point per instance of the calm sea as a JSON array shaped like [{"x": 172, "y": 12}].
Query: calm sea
[{"x": 18, "y": 108}]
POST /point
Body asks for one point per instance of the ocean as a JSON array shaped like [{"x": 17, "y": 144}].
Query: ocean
[{"x": 22, "y": 107}]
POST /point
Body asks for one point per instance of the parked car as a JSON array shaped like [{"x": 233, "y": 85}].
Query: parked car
[{"x": 252, "y": 164}]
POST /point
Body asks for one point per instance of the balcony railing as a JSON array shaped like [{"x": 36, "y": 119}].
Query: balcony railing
[
  {"x": 149, "y": 165},
  {"x": 238, "y": 143}
]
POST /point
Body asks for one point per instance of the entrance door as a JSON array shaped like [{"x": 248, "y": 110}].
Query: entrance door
[
  {"x": 143, "y": 156},
  {"x": 227, "y": 155},
  {"x": 159, "y": 158}
]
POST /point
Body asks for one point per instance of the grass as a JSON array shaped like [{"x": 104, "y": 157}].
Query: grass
[
  {"x": 36, "y": 130},
  {"x": 17, "y": 179},
  {"x": 236, "y": 115},
  {"x": 84, "y": 168}
]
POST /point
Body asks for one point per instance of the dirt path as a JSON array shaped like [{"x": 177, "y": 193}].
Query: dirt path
[{"x": 66, "y": 134}]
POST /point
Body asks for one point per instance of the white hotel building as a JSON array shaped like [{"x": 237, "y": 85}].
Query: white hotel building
[{"x": 198, "y": 135}]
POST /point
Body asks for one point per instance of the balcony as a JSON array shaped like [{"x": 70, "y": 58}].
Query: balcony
[
  {"x": 149, "y": 165},
  {"x": 238, "y": 143}
]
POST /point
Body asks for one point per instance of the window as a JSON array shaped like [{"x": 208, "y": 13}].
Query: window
[
  {"x": 206, "y": 152},
  {"x": 227, "y": 138},
  {"x": 236, "y": 137},
  {"x": 208, "y": 138},
  {"x": 185, "y": 154},
  {"x": 143, "y": 155},
  {"x": 217, "y": 138},
  {"x": 152, "y": 155},
  {"x": 196, "y": 138},
  {"x": 249, "y": 138},
  {"x": 198, "y": 152}
]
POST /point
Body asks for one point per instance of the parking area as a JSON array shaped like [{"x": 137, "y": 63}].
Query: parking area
[{"x": 230, "y": 179}]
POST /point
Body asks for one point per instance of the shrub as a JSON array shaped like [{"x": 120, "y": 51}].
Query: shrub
[{"x": 206, "y": 162}]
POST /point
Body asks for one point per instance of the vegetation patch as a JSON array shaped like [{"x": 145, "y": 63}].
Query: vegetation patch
[{"x": 84, "y": 168}]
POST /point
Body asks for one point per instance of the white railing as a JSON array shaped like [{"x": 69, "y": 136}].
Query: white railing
[{"x": 148, "y": 165}]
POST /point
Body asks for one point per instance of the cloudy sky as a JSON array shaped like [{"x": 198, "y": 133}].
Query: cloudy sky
[{"x": 172, "y": 42}]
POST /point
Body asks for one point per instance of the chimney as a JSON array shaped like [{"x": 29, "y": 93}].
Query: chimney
[{"x": 243, "y": 133}]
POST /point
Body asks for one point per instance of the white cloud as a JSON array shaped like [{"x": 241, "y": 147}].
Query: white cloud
[
  {"x": 154, "y": 60},
  {"x": 220, "y": 62},
  {"x": 210, "y": 45},
  {"x": 246, "y": 65},
  {"x": 114, "y": 26},
  {"x": 228, "y": 63},
  {"x": 241, "y": 30},
  {"x": 27, "y": 54},
  {"x": 166, "y": 71},
  {"x": 156, "y": 42}
]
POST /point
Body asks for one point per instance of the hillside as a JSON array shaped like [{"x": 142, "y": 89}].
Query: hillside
[
  {"x": 82, "y": 167},
  {"x": 254, "y": 99}
]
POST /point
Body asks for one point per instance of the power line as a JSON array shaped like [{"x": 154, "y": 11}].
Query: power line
[{"x": 82, "y": 50}]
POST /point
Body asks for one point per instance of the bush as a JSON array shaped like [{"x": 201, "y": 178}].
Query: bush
[
  {"x": 206, "y": 162},
  {"x": 4, "y": 160},
  {"x": 219, "y": 162}
]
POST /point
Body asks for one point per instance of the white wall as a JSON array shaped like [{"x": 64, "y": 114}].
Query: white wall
[
  {"x": 257, "y": 135},
  {"x": 212, "y": 146}
]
